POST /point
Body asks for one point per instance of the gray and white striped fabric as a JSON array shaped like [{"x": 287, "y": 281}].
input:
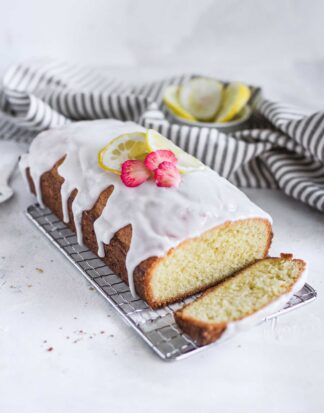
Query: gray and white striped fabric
[{"x": 283, "y": 147}]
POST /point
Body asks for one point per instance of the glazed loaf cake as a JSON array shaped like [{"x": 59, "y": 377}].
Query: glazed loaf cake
[{"x": 166, "y": 243}]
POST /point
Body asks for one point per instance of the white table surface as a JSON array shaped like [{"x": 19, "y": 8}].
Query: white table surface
[{"x": 98, "y": 364}]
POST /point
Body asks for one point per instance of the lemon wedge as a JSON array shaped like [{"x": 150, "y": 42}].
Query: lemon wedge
[
  {"x": 186, "y": 162},
  {"x": 236, "y": 95},
  {"x": 201, "y": 97},
  {"x": 170, "y": 99},
  {"x": 124, "y": 147}
]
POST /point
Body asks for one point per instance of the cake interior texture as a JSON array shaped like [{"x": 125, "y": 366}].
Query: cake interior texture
[
  {"x": 207, "y": 260},
  {"x": 242, "y": 295},
  {"x": 252, "y": 289}
]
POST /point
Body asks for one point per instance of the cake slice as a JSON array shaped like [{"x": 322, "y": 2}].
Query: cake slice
[
  {"x": 243, "y": 300},
  {"x": 167, "y": 243}
]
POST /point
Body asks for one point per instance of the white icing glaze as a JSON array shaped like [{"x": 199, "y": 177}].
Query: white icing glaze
[
  {"x": 241, "y": 325},
  {"x": 161, "y": 218}
]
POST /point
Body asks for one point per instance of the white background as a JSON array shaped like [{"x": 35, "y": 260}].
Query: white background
[
  {"x": 277, "y": 367},
  {"x": 250, "y": 40}
]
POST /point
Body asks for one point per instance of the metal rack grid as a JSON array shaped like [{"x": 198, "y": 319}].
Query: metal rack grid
[{"x": 156, "y": 327}]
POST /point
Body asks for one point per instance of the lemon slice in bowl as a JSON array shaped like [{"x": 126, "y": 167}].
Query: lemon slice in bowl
[
  {"x": 235, "y": 97},
  {"x": 124, "y": 147},
  {"x": 201, "y": 97},
  {"x": 186, "y": 162},
  {"x": 170, "y": 99}
]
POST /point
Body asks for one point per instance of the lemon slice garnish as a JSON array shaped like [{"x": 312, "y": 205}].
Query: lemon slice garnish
[
  {"x": 235, "y": 97},
  {"x": 124, "y": 147},
  {"x": 186, "y": 163},
  {"x": 201, "y": 97},
  {"x": 170, "y": 99}
]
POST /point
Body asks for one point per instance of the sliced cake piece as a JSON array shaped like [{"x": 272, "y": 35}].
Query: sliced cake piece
[{"x": 243, "y": 300}]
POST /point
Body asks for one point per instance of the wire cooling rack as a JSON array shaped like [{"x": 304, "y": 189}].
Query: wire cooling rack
[{"x": 156, "y": 327}]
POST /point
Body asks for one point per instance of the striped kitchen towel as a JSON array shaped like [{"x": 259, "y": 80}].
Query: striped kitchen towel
[{"x": 282, "y": 147}]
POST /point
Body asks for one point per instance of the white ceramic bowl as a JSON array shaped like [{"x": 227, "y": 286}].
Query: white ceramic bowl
[{"x": 228, "y": 127}]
